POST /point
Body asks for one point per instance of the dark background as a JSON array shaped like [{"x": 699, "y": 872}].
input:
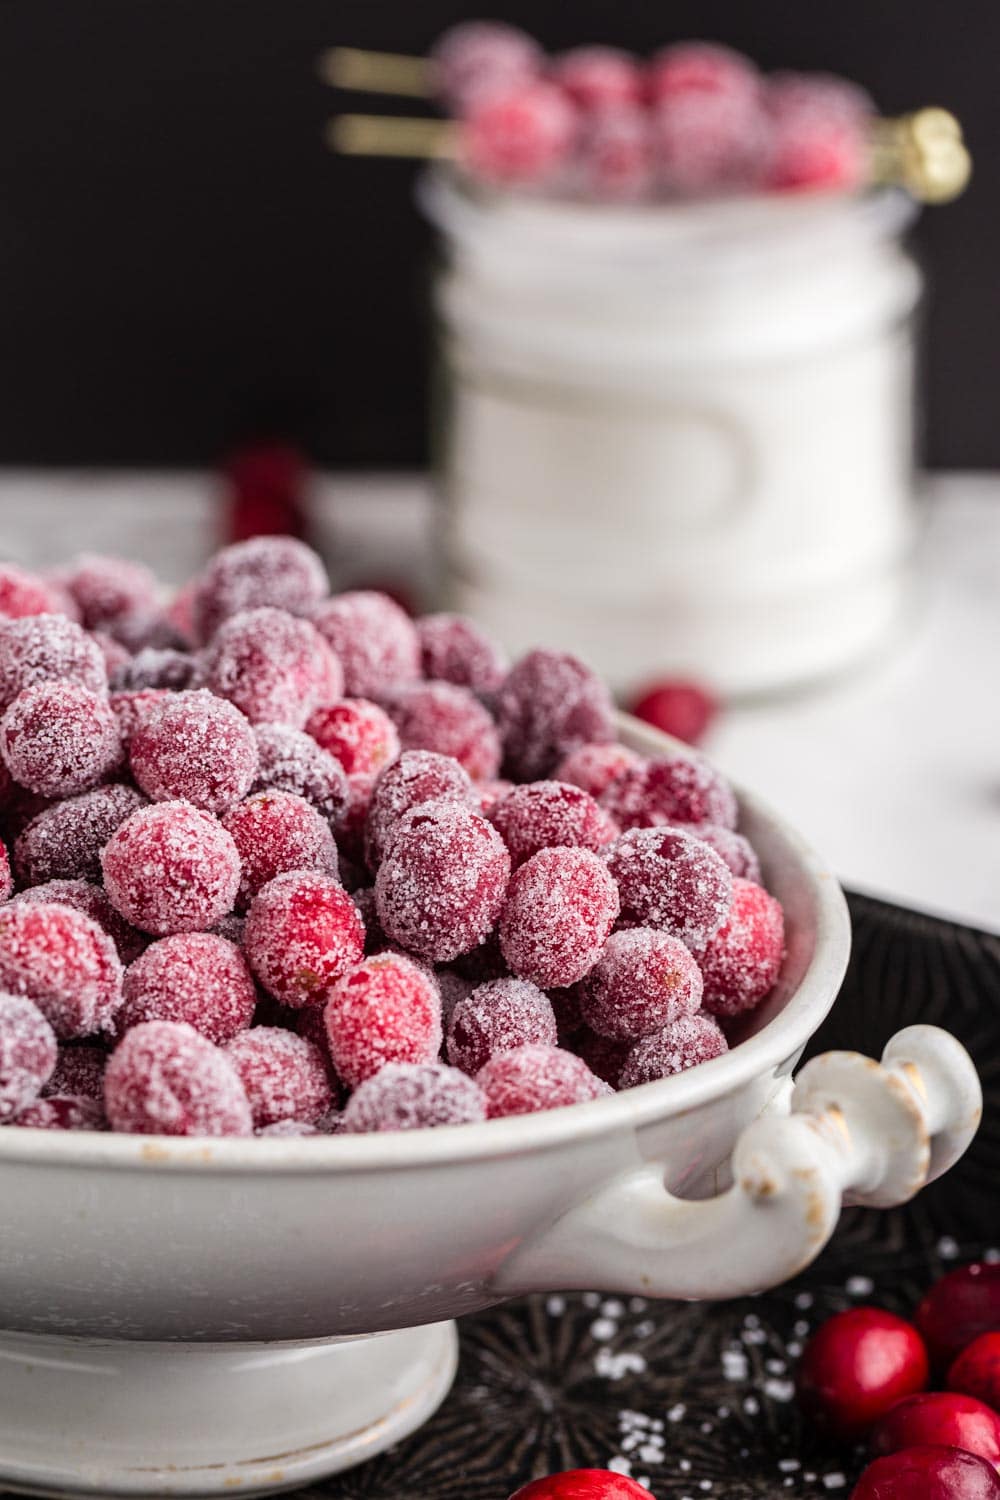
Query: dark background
[{"x": 182, "y": 263}]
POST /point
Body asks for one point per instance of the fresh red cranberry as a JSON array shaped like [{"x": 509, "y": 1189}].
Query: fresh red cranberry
[
  {"x": 928, "y": 1473},
  {"x": 976, "y": 1371},
  {"x": 856, "y": 1366},
  {"x": 583, "y": 1484},
  {"x": 683, "y": 709},
  {"x": 943, "y": 1418},
  {"x": 958, "y": 1308}
]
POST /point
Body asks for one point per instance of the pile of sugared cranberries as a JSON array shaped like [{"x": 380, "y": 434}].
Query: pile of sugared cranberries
[{"x": 279, "y": 862}]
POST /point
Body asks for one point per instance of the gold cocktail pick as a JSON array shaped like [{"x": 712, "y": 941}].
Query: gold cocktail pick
[{"x": 367, "y": 72}]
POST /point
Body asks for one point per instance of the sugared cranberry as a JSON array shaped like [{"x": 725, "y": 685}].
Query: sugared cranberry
[
  {"x": 976, "y": 1371},
  {"x": 497, "y": 1017},
  {"x": 387, "y": 1009},
  {"x": 274, "y": 832},
  {"x": 171, "y": 868},
  {"x": 273, "y": 667},
  {"x": 549, "y": 705},
  {"x": 928, "y": 1473},
  {"x": 598, "y": 77},
  {"x": 63, "y": 1112},
  {"x": 615, "y": 159},
  {"x": 357, "y": 733},
  {"x": 856, "y": 1366},
  {"x": 440, "y": 887},
  {"x": 533, "y": 1078},
  {"x": 417, "y": 776},
  {"x": 195, "y": 977},
  {"x": 62, "y": 961},
  {"x": 550, "y": 814},
  {"x": 818, "y": 136},
  {"x": 939, "y": 1418},
  {"x": 560, "y": 908},
  {"x": 454, "y": 649},
  {"x": 414, "y": 1096},
  {"x": 522, "y": 136},
  {"x": 59, "y": 738},
  {"x": 449, "y": 721},
  {"x": 740, "y": 963},
  {"x": 284, "y": 1075},
  {"x": 132, "y": 709},
  {"x": 195, "y": 747},
  {"x": 28, "y": 1054},
  {"x": 595, "y": 767},
  {"x": 707, "y": 143},
  {"x": 6, "y": 878},
  {"x": 117, "y": 657},
  {"x": 374, "y": 640},
  {"x": 683, "y": 709},
  {"x": 79, "y": 1070},
  {"x": 23, "y": 594},
  {"x": 671, "y": 789},
  {"x": 490, "y": 793},
  {"x": 47, "y": 648},
  {"x": 289, "y": 760},
  {"x": 65, "y": 841},
  {"x": 81, "y": 895},
  {"x": 735, "y": 851},
  {"x": 643, "y": 981},
  {"x": 701, "y": 68},
  {"x": 958, "y": 1308},
  {"x": 477, "y": 59},
  {"x": 670, "y": 880},
  {"x": 681, "y": 1045},
  {"x": 165, "y": 1078},
  {"x": 107, "y": 590},
  {"x": 276, "y": 571},
  {"x": 303, "y": 932},
  {"x": 583, "y": 1484}
]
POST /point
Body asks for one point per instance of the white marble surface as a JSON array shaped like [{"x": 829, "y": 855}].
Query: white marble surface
[{"x": 893, "y": 772}]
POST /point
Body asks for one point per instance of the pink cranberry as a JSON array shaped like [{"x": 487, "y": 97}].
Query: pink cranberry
[
  {"x": 59, "y": 738},
  {"x": 939, "y": 1418},
  {"x": 107, "y": 590},
  {"x": 549, "y": 814},
  {"x": 735, "y": 851},
  {"x": 616, "y": 159},
  {"x": 549, "y": 705},
  {"x": 670, "y": 880},
  {"x": 165, "y": 1078},
  {"x": 701, "y": 68},
  {"x": 583, "y": 1484},
  {"x": 928, "y": 1473},
  {"x": 450, "y": 721},
  {"x": 560, "y": 909},
  {"x": 671, "y": 789},
  {"x": 277, "y": 571},
  {"x": 958, "y": 1308},
  {"x": 62, "y": 961},
  {"x": 273, "y": 667},
  {"x": 440, "y": 888},
  {"x": 741, "y": 962},
  {"x": 285, "y": 1076},
  {"x": 417, "y": 776},
  {"x": 476, "y": 59},
  {"x": 707, "y": 143},
  {"x": 303, "y": 932},
  {"x": 683, "y": 709},
  {"x": 79, "y": 1071},
  {"x": 196, "y": 747},
  {"x": 497, "y": 1017},
  {"x": 414, "y": 1096},
  {"x": 46, "y": 648},
  {"x": 532, "y": 1078},
  {"x": 23, "y": 594},
  {"x": 28, "y": 1054},
  {"x": 289, "y": 760},
  {"x": 171, "y": 868},
  {"x": 195, "y": 977},
  {"x": 599, "y": 77},
  {"x": 63, "y": 1112},
  {"x": 64, "y": 842},
  {"x": 856, "y": 1366},
  {"x": 683, "y": 1044},
  {"x": 520, "y": 137},
  {"x": 454, "y": 649},
  {"x": 819, "y": 127},
  {"x": 375, "y": 641},
  {"x": 643, "y": 981},
  {"x": 387, "y": 1009},
  {"x": 274, "y": 832},
  {"x": 976, "y": 1371},
  {"x": 90, "y": 899},
  {"x": 357, "y": 733},
  {"x": 595, "y": 767}
]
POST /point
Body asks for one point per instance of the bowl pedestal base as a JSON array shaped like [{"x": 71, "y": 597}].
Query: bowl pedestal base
[{"x": 89, "y": 1417}]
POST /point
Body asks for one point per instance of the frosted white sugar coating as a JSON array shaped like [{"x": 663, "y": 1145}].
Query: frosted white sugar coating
[
  {"x": 669, "y": 879},
  {"x": 164, "y": 1078},
  {"x": 440, "y": 888},
  {"x": 79, "y": 1070},
  {"x": 550, "y": 704},
  {"x": 559, "y": 911},
  {"x": 58, "y": 738},
  {"x": 417, "y": 776},
  {"x": 171, "y": 868},
  {"x": 46, "y": 648},
  {"x": 414, "y": 1096},
  {"x": 284, "y": 1128},
  {"x": 497, "y": 1017},
  {"x": 386, "y": 1009},
  {"x": 197, "y": 747},
  {"x": 681, "y": 1045},
  {"x": 549, "y": 814},
  {"x": 23, "y": 594},
  {"x": 106, "y": 590},
  {"x": 475, "y": 60},
  {"x": 197, "y": 977},
  {"x": 274, "y": 667},
  {"x": 595, "y": 767},
  {"x": 671, "y": 789},
  {"x": 302, "y": 932},
  {"x": 742, "y": 960},
  {"x": 81, "y": 895},
  {"x": 375, "y": 640},
  {"x": 358, "y": 733},
  {"x": 284, "y": 1075},
  {"x": 64, "y": 841},
  {"x": 454, "y": 649},
  {"x": 735, "y": 851},
  {"x": 531, "y": 1078},
  {"x": 62, "y": 961},
  {"x": 28, "y": 1054},
  {"x": 274, "y": 832},
  {"x": 642, "y": 982},
  {"x": 288, "y": 760},
  {"x": 63, "y": 1112},
  {"x": 267, "y": 570},
  {"x": 449, "y": 720}
]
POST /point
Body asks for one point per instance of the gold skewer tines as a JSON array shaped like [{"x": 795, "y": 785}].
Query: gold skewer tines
[
  {"x": 391, "y": 135},
  {"x": 367, "y": 72}
]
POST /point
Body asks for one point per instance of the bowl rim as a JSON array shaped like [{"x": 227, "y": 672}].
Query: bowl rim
[{"x": 776, "y": 1042}]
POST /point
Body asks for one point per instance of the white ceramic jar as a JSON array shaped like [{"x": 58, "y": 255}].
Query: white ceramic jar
[{"x": 678, "y": 438}]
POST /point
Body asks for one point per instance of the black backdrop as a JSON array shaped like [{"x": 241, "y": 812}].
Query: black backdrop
[{"x": 182, "y": 262}]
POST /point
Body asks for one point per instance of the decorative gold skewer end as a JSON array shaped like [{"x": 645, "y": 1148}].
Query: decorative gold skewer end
[
  {"x": 376, "y": 72},
  {"x": 390, "y": 135},
  {"x": 923, "y": 152}
]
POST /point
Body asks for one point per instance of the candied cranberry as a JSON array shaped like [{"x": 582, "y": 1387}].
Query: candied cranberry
[
  {"x": 939, "y": 1418},
  {"x": 195, "y": 977},
  {"x": 740, "y": 963},
  {"x": 413, "y": 1096},
  {"x": 440, "y": 888},
  {"x": 24, "y": 594},
  {"x": 79, "y": 1070},
  {"x": 417, "y": 776},
  {"x": 288, "y": 760},
  {"x": 475, "y": 59},
  {"x": 595, "y": 767},
  {"x": 450, "y": 721},
  {"x": 107, "y": 590},
  {"x": 117, "y": 657},
  {"x": 490, "y": 793},
  {"x": 63, "y": 1112},
  {"x": 671, "y": 789},
  {"x": 549, "y": 705},
  {"x": 171, "y": 868},
  {"x": 521, "y": 136},
  {"x": 735, "y": 851},
  {"x": 602, "y": 1055},
  {"x": 708, "y": 142},
  {"x": 59, "y": 738},
  {"x": 132, "y": 709},
  {"x": 701, "y": 68},
  {"x": 274, "y": 832},
  {"x": 47, "y": 648},
  {"x": 598, "y": 77},
  {"x": 267, "y": 570},
  {"x": 359, "y": 734},
  {"x": 928, "y": 1473},
  {"x": 303, "y": 932},
  {"x": 958, "y": 1308},
  {"x": 273, "y": 667},
  {"x": 560, "y": 908},
  {"x": 681, "y": 1045},
  {"x": 819, "y": 132},
  {"x": 976, "y": 1371},
  {"x": 91, "y": 900},
  {"x": 375, "y": 640},
  {"x": 856, "y": 1366},
  {"x": 6, "y": 879},
  {"x": 454, "y": 649},
  {"x": 550, "y": 814},
  {"x": 615, "y": 159},
  {"x": 583, "y": 1484},
  {"x": 644, "y": 980},
  {"x": 670, "y": 880},
  {"x": 62, "y": 961},
  {"x": 165, "y": 1078},
  {"x": 195, "y": 747},
  {"x": 532, "y": 1078},
  {"x": 683, "y": 709},
  {"x": 180, "y": 612},
  {"x": 284, "y": 1075},
  {"x": 497, "y": 1017},
  {"x": 156, "y": 667},
  {"x": 28, "y": 1054},
  {"x": 64, "y": 842},
  {"x": 386, "y": 1010}
]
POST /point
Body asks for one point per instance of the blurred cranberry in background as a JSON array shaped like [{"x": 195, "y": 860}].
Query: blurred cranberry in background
[
  {"x": 958, "y": 1308},
  {"x": 928, "y": 1473},
  {"x": 683, "y": 709},
  {"x": 266, "y": 484},
  {"x": 583, "y": 1484}
]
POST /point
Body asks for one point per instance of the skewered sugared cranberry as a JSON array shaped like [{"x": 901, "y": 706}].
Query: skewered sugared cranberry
[
  {"x": 454, "y": 649},
  {"x": 302, "y": 933},
  {"x": 928, "y": 1473},
  {"x": 449, "y": 721},
  {"x": 671, "y": 789},
  {"x": 23, "y": 594},
  {"x": 267, "y": 570},
  {"x": 374, "y": 640},
  {"x": 273, "y": 667},
  {"x": 284, "y": 1075},
  {"x": 108, "y": 590},
  {"x": 195, "y": 977},
  {"x": 740, "y": 963},
  {"x": 615, "y": 159},
  {"x": 560, "y": 908},
  {"x": 701, "y": 68},
  {"x": 939, "y": 1418},
  {"x": 497, "y": 1017},
  {"x": 595, "y": 767},
  {"x": 165, "y": 1078},
  {"x": 532, "y": 1078},
  {"x": 92, "y": 901},
  {"x": 681, "y": 1045},
  {"x": 958, "y": 1308},
  {"x": 856, "y": 1366},
  {"x": 597, "y": 77},
  {"x": 47, "y": 648},
  {"x": 171, "y": 868},
  {"x": 79, "y": 1071},
  {"x": 670, "y": 880},
  {"x": 583, "y": 1484},
  {"x": 683, "y": 709},
  {"x": 549, "y": 705},
  {"x": 818, "y": 135},
  {"x": 550, "y": 814},
  {"x": 63, "y": 1112},
  {"x": 288, "y": 760},
  {"x": 357, "y": 733},
  {"x": 28, "y": 1054},
  {"x": 59, "y": 738},
  {"x": 477, "y": 59},
  {"x": 522, "y": 136},
  {"x": 64, "y": 842},
  {"x": 643, "y": 981},
  {"x": 62, "y": 961},
  {"x": 417, "y": 776},
  {"x": 274, "y": 832},
  {"x": 976, "y": 1371},
  {"x": 413, "y": 1096},
  {"x": 195, "y": 747},
  {"x": 387, "y": 1009}
]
